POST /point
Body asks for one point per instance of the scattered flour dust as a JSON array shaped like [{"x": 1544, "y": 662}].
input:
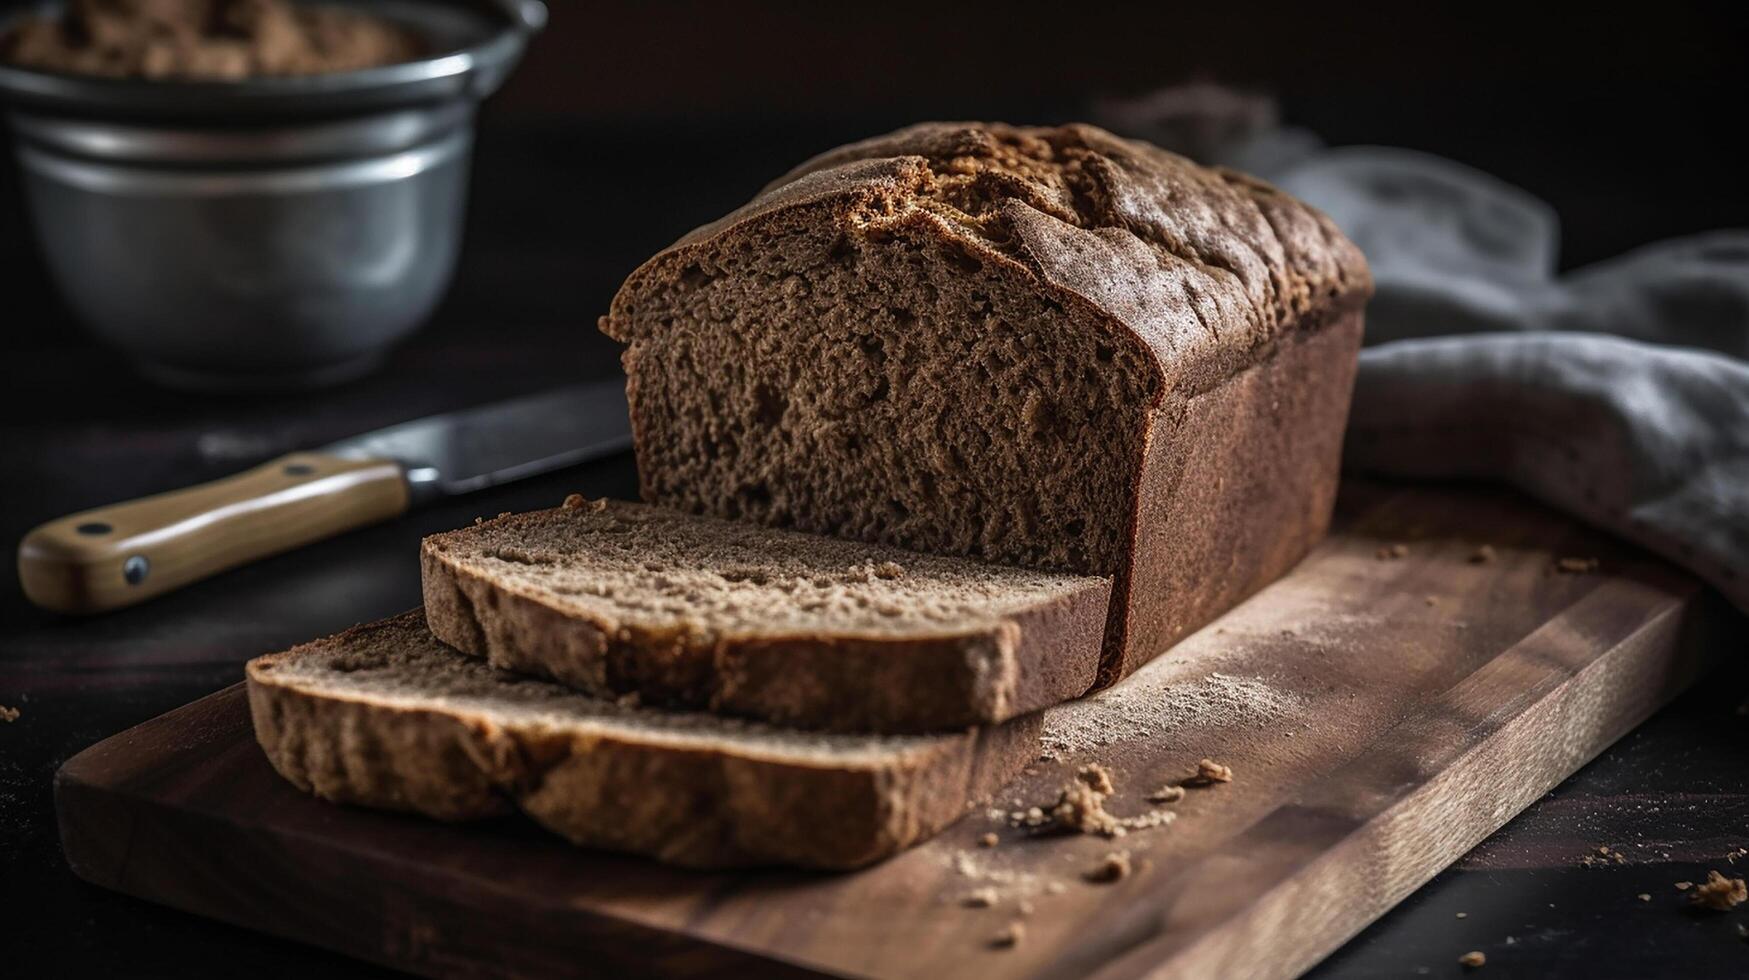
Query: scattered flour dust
[
  {"x": 982, "y": 871},
  {"x": 1150, "y": 707}
]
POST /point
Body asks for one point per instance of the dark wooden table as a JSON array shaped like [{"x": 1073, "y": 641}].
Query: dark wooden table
[{"x": 554, "y": 229}]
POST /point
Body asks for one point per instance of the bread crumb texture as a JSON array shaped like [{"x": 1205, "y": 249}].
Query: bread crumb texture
[
  {"x": 1209, "y": 772},
  {"x": 211, "y": 41},
  {"x": 993, "y": 316},
  {"x": 1719, "y": 893},
  {"x": 1166, "y": 794},
  {"x": 384, "y": 715},
  {"x": 697, "y": 581},
  {"x": 1115, "y": 866},
  {"x": 8, "y": 714},
  {"x": 1096, "y": 777},
  {"x": 1080, "y": 809},
  {"x": 1011, "y": 936},
  {"x": 1473, "y": 959},
  {"x": 1482, "y": 555}
]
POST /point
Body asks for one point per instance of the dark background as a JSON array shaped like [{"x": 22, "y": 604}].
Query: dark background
[{"x": 630, "y": 123}]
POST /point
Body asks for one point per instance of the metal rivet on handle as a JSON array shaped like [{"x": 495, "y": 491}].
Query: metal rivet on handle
[{"x": 135, "y": 569}]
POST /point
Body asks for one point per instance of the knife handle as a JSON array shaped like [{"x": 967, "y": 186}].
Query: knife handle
[{"x": 115, "y": 556}]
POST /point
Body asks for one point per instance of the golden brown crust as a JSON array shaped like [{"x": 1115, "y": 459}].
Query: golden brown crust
[
  {"x": 1030, "y": 660},
  {"x": 604, "y": 787}
]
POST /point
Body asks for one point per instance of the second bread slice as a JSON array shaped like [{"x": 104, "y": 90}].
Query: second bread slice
[{"x": 619, "y": 598}]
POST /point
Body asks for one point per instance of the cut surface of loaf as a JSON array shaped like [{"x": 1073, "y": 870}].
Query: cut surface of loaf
[
  {"x": 384, "y": 715},
  {"x": 620, "y": 598},
  {"x": 1046, "y": 347}
]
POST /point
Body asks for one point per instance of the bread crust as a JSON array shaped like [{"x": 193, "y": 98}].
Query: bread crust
[
  {"x": 680, "y": 803},
  {"x": 1221, "y": 285},
  {"x": 1023, "y": 662},
  {"x": 1202, "y": 267},
  {"x": 1238, "y": 483}
]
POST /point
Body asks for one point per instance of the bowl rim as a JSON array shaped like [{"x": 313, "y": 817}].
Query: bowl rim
[{"x": 474, "y": 70}]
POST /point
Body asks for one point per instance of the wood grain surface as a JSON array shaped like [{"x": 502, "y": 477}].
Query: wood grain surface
[{"x": 1381, "y": 716}]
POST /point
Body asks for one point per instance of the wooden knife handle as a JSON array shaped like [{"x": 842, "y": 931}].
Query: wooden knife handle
[{"x": 115, "y": 556}]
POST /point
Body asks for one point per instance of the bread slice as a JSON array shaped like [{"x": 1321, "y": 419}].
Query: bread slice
[
  {"x": 614, "y": 598},
  {"x": 1047, "y": 347},
  {"x": 384, "y": 715}
]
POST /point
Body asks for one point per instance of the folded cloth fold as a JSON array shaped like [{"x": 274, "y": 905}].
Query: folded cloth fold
[{"x": 1647, "y": 441}]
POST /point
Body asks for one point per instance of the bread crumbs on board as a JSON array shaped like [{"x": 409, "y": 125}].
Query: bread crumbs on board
[
  {"x": 981, "y": 898},
  {"x": 1209, "y": 772},
  {"x": 1391, "y": 552},
  {"x": 1482, "y": 555},
  {"x": 1011, "y": 936},
  {"x": 1007, "y": 881},
  {"x": 9, "y": 714},
  {"x": 1096, "y": 776},
  {"x": 1167, "y": 794},
  {"x": 1473, "y": 959},
  {"x": 1115, "y": 866},
  {"x": 1080, "y": 809},
  {"x": 1576, "y": 566},
  {"x": 1719, "y": 893},
  {"x": 988, "y": 840}
]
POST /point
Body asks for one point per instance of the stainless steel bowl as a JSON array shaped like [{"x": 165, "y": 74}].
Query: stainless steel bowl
[{"x": 273, "y": 232}]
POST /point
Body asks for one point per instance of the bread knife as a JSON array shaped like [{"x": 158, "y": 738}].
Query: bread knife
[{"x": 115, "y": 556}]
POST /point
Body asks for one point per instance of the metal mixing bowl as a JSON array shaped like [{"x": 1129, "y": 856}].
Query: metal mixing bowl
[{"x": 271, "y": 232}]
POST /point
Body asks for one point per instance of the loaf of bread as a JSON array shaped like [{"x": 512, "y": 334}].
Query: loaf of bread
[
  {"x": 386, "y": 716},
  {"x": 1050, "y": 348},
  {"x": 615, "y": 598}
]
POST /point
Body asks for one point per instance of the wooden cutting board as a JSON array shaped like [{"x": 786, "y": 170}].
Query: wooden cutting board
[{"x": 1381, "y": 713}]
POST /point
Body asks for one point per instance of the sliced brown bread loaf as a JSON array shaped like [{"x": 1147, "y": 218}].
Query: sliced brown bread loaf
[
  {"x": 614, "y": 598},
  {"x": 386, "y": 716},
  {"x": 1042, "y": 347}
]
